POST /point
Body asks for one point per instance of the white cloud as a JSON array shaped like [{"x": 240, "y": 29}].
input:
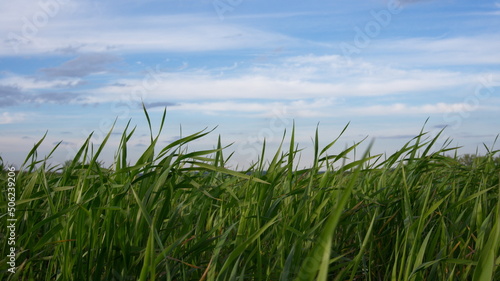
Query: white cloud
[
  {"x": 323, "y": 107},
  {"x": 295, "y": 109},
  {"x": 32, "y": 83},
  {"x": 303, "y": 77},
  {"x": 15, "y": 13},
  {"x": 465, "y": 50},
  {"x": 405, "y": 109},
  {"x": 11, "y": 118},
  {"x": 307, "y": 85},
  {"x": 178, "y": 33}
]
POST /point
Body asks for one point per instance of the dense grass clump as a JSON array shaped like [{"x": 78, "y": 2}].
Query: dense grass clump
[{"x": 179, "y": 215}]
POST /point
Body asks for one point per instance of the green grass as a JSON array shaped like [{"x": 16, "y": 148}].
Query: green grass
[{"x": 180, "y": 215}]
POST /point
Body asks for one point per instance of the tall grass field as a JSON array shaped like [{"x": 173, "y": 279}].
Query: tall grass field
[{"x": 421, "y": 213}]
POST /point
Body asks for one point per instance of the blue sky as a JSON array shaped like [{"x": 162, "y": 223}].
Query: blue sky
[{"x": 250, "y": 67}]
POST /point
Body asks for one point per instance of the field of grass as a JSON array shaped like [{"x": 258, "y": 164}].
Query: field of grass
[{"x": 180, "y": 215}]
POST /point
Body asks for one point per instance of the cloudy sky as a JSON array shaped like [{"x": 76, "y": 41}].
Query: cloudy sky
[{"x": 250, "y": 67}]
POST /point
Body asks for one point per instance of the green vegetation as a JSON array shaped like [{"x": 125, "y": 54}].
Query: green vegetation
[{"x": 180, "y": 215}]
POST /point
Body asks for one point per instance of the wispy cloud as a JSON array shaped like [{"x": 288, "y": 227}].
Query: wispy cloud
[
  {"x": 308, "y": 85},
  {"x": 82, "y": 66},
  {"x": 178, "y": 33},
  {"x": 302, "y": 77},
  {"x": 326, "y": 107},
  {"x": 28, "y": 83},
  {"x": 162, "y": 104},
  {"x": 405, "y": 109},
  {"x": 481, "y": 49},
  {"x": 9, "y": 95},
  {"x": 10, "y": 118},
  {"x": 56, "y": 97},
  {"x": 295, "y": 109},
  {"x": 17, "y": 90},
  {"x": 69, "y": 50}
]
